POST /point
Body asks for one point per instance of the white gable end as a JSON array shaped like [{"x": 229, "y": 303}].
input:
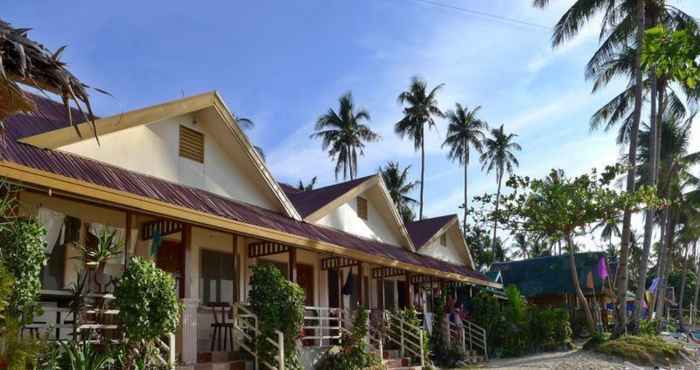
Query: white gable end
[
  {"x": 449, "y": 252},
  {"x": 153, "y": 150},
  {"x": 377, "y": 226}
]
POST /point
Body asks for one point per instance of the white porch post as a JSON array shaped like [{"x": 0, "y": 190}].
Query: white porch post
[
  {"x": 191, "y": 301},
  {"x": 189, "y": 330}
]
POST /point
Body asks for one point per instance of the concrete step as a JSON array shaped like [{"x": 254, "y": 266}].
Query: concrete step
[
  {"x": 391, "y": 353},
  {"x": 396, "y": 362},
  {"x": 225, "y": 365}
]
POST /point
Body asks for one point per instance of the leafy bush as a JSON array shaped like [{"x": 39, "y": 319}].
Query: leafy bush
[
  {"x": 22, "y": 253},
  {"x": 84, "y": 356},
  {"x": 515, "y": 328},
  {"x": 146, "y": 299},
  {"x": 354, "y": 354},
  {"x": 7, "y": 282},
  {"x": 17, "y": 352},
  {"x": 643, "y": 350},
  {"x": 279, "y": 305}
]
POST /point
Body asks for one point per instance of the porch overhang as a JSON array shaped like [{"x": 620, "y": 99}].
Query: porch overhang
[{"x": 69, "y": 187}]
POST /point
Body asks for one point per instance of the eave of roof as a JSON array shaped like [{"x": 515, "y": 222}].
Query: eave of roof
[
  {"x": 424, "y": 232},
  {"x": 58, "y": 135},
  {"x": 314, "y": 204}
]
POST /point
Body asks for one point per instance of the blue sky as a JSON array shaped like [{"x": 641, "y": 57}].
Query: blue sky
[{"x": 283, "y": 63}]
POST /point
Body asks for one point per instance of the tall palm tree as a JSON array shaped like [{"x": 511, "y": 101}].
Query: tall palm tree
[
  {"x": 621, "y": 20},
  {"x": 465, "y": 130},
  {"x": 248, "y": 124},
  {"x": 399, "y": 186},
  {"x": 344, "y": 135},
  {"x": 498, "y": 155},
  {"x": 622, "y": 33},
  {"x": 420, "y": 110}
]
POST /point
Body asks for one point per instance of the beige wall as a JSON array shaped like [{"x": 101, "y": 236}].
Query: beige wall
[
  {"x": 154, "y": 150},
  {"x": 453, "y": 252},
  {"x": 378, "y": 226}
]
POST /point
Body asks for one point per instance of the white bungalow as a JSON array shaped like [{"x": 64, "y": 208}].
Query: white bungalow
[{"x": 184, "y": 172}]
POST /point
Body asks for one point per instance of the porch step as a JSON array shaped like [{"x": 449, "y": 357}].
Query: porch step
[
  {"x": 225, "y": 365},
  {"x": 391, "y": 354},
  {"x": 396, "y": 363}
]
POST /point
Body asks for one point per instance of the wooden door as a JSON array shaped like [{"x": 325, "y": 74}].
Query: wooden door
[
  {"x": 305, "y": 279},
  {"x": 171, "y": 258}
]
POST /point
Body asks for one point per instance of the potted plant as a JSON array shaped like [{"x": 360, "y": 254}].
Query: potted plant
[{"x": 96, "y": 257}]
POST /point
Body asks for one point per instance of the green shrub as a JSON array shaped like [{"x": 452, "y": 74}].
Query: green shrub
[
  {"x": 643, "y": 350},
  {"x": 7, "y": 282},
  {"x": 147, "y": 301},
  {"x": 515, "y": 328},
  {"x": 354, "y": 353},
  {"x": 22, "y": 253},
  {"x": 279, "y": 305}
]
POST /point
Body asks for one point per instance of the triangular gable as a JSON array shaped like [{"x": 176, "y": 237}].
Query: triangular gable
[
  {"x": 208, "y": 106},
  {"x": 319, "y": 205},
  {"x": 426, "y": 234}
]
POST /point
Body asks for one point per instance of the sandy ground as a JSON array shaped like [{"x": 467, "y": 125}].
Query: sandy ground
[{"x": 571, "y": 360}]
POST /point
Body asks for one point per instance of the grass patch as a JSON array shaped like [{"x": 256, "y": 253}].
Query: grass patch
[{"x": 642, "y": 350}]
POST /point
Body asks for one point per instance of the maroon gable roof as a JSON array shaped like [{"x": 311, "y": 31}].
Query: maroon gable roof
[
  {"x": 308, "y": 202},
  {"x": 421, "y": 231},
  {"x": 48, "y": 116},
  {"x": 103, "y": 174}
]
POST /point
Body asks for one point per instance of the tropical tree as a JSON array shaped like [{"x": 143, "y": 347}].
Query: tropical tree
[
  {"x": 420, "y": 110},
  {"x": 25, "y": 61},
  {"x": 344, "y": 135},
  {"x": 498, "y": 154},
  {"x": 563, "y": 208},
  {"x": 465, "y": 131},
  {"x": 308, "y": 186},
  {"x": 676, "y": 184},
  {"x": 399, "y": 187},
  {"x": 622, "y": 34}
]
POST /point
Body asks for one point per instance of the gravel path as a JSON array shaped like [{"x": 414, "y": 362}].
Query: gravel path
[{"x": 571, "y": 360}]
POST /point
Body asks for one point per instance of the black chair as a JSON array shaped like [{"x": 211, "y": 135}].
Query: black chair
[{"x": 221, "y": 327}]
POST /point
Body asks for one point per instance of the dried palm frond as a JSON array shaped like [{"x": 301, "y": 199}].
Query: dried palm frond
[{"x": 28, "y": 62}]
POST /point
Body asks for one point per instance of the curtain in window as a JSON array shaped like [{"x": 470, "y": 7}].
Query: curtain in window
[{"x": 53, "y": 223}]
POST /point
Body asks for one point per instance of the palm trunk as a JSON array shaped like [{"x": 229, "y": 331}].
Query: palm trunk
[
  {"x": 495, "y": 218},
  {"x": 661, "y": 259},
  {"x": 466, "y": 165},
  {"x": 649, "y": 217},
  {"x": 590, "y": 322},
  {"x": 684, "y": 276},
  {"x": 422, "y": 176},
  {"x": 670, "y": 230},
  {"x": 621, "y": 326},
  {"x": 697, "y": 283}
]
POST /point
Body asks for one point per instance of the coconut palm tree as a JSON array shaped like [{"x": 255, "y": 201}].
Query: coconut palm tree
[
  {"x": 623, "y": 24},
  {"x": 420, "y": 110},
  {"x": 25, "y": 61},
  {"x": 465, "y": 130},
  {"x": 499, "y": 155},
  {"x": 344, "y": 135},
  {"x": 399, "y": 186}
]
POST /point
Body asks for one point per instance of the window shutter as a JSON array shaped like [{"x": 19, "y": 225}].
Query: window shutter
[
  {"x": 362, "y": 208},
  {"x": 191, "y": 144}
]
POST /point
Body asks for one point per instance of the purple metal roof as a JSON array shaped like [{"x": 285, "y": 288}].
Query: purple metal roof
[
  {"x": 422, "y": 230},
  {"x": 103, "y": 174},
  {"x": 308, "y": 202}
]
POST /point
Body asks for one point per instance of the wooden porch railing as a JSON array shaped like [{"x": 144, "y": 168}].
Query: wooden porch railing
[
  {"x": 407, "y": 336},
  {"x": 245, "y": 327},
  {"x": 469, "y": 336}
]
